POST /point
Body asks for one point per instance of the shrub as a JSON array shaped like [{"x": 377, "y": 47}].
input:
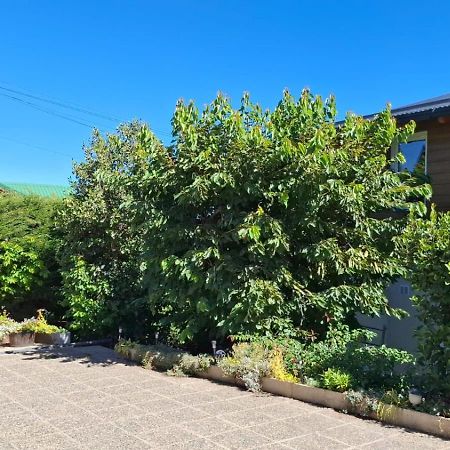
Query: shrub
[
  {"x": 249, "y": 362},
  {"x": 29, "y": 272},
  {"x": 7, "y": 325},
  {"x": 192, "y": 365},
  {"x": 27, "y": 326},
  {"x": 38, "y": 325},
  {"x": 346, "y": 350},
  {"x": 21, "y": 271},
  {"x": 426, "y": 246},
  {"x": 163, "y": 357},
  {"x": 278, "y": 368},
  {"x": 336, "y": 380}
]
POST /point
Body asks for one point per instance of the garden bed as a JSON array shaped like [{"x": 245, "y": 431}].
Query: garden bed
[{"x": 389, "y": 414}]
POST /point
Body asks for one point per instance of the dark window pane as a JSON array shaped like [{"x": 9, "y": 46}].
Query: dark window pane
[{"x": 414, "y": 153}]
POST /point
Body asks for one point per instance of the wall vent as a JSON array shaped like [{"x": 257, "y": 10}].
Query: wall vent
[{"x": 405, "y": 290}]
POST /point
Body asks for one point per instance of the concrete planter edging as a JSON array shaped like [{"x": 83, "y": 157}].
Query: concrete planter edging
[
  {"x": 390, "y": 414},
  {"x": 59, "y": 338}
]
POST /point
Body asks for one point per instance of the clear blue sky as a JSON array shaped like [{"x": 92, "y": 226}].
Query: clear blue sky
[{"x": 134, "y": 59}]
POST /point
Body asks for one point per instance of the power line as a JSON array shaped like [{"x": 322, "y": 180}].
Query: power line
[
  {"x": 61, "y": 104},
  {"x": 67, "y": 105},
  {"x": 53, "y": 113},
  {"x": 37, "y": 147}
]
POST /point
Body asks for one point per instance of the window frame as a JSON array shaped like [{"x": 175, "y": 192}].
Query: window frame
[{"x": 418, "y": 136}]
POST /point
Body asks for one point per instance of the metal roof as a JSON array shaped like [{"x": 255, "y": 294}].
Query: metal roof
[
  {"x": 423, "y": 110},
  {"x": 43, "y": 190}
]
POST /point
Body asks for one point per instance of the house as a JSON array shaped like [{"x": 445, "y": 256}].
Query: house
[
  {"x": 428, "y": 149},
  {"x": 427, "y": 153},
  {"x": 42, "y": 190}
]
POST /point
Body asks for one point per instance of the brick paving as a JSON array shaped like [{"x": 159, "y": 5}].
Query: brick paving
[{"x": 88, "y": 398}]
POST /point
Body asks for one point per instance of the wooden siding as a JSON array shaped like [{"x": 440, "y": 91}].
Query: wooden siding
[{"x": 438, "y": 160}]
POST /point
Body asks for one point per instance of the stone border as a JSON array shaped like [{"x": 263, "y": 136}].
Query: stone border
[{"x": 390, "y": 414}]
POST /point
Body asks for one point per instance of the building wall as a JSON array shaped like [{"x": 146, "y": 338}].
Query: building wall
[
  {"x": 391, "y": 331},
  {"x": 400, "y": 333},
  {"x": 438, "y": 159}
]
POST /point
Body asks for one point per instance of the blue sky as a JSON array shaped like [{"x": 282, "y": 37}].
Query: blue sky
[{"x": 134, "y": 59}]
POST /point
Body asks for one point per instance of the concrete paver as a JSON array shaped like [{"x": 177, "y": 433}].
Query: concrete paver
[{"x": 89, "y": 398}]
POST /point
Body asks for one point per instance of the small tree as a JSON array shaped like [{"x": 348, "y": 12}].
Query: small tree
[
  {"x": 426, "y": 246},
  {"x": 263, "y": 222}
]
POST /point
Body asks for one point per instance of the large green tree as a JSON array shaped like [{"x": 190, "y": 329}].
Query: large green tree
[
  {"x": 101, "y": 250},
  {"x": 264, "y": 222}
]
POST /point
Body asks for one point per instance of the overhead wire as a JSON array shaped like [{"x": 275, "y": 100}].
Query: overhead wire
[
  {"x": 61, "y": 104},
  {"x": 64, "y": 104},
  {"x": 53, "y": 113},
  {"x": 77, "y": 120},
  {"x": 37, "y": 147}
]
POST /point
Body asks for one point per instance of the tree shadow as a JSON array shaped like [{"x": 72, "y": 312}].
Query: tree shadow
[{"x": 90, "y": 355}]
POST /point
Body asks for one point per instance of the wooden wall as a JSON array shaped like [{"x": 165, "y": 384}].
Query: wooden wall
[{"x": 438, "y": 161}]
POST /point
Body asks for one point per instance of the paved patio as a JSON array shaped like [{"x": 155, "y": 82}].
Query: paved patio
[{"x": 87, "y": 398}]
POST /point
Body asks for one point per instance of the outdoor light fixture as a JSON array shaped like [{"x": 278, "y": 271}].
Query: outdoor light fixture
[
  {"x": 220, "y": 354},
  {"x": 415, "y": 396},
  {"x": 120, "y": 332},
  {"x": 156, "y": 337},
  {"x": 214, "y": 346}
]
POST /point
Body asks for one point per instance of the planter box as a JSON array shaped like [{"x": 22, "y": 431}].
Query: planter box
[
  {"x": 216, "y": 374},
  {"x": 408, "y": 418},
  {"x": 21, "y": 339},
  {"x": 136, "y": 355},
  {"x": 306, "y": 393},
  {"x": 53, "y": 338}
]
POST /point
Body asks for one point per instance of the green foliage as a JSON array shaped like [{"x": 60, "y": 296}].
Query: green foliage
[
  {"x": 346, "y": 350},
  {"x": 338, "y": 362},
  {"x": 336, "y": 380},
  {"x": 362, "y": 402},
  {"x": 426, "y": 246},
  {"x": 7, "y": 325},
  {"x": 27, "y": 326},
  {"x": 163, "y": 357},
  {"x": 86, "y": 293},
  {"x": 250, "y": 362},
  {"x": 37, "y": 325},
  {"x": 192, "y": 365},
  {"x": 101, "y": 256},
  {"x": 29, "y": 277},
  {"x": 262, "y": 222},
  {"x": 20, "y": 271}
]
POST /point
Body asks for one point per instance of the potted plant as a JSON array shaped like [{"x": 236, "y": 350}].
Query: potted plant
[
  {"x": 24, "y": 334},
  {"x": 50, "y": 334},
  {"x": 53, "y": 335}
]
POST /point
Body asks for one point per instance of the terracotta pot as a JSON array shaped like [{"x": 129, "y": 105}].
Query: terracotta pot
[
  {"x": 53, "y": 338},
  {"x": 22, "y": 339}
]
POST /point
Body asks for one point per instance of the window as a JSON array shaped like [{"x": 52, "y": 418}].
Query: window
[{"x": 415, "y": 153}]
